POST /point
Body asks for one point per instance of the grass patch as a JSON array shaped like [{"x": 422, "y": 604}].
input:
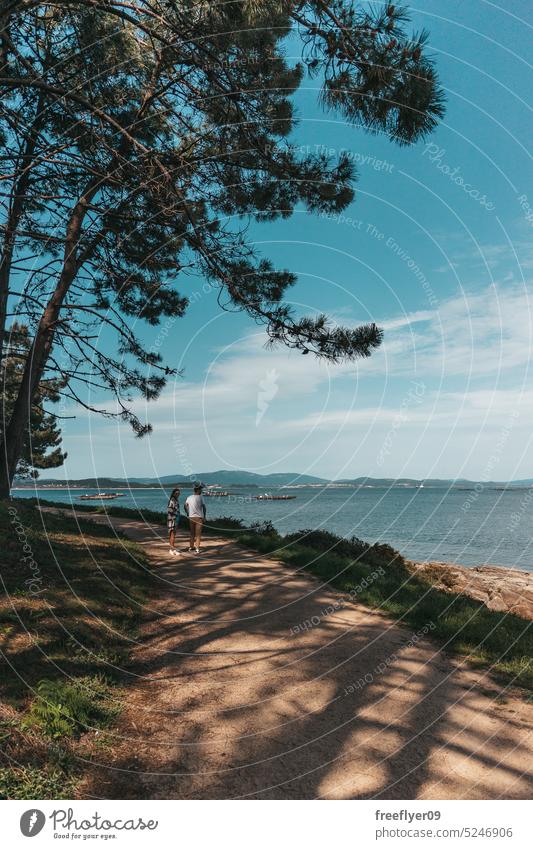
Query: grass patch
[
  {"x": 41, "y": 782},
  {"x": 71, "y": 598}
]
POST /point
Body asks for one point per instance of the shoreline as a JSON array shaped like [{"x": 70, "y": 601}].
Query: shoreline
[
  {"x": 315, "y": 486},
  {"x": 500, "y": 588},
  {"x": 439, "y": 566}
]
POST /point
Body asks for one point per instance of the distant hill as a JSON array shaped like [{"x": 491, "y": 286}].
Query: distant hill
[
  {"x": 230, "y": 477},
  {"x": 90, "y": 483},
  {"x": 236, "y": 477},
  {"x": 433, "y": 482},
  {"x": 225, "y": 477}
]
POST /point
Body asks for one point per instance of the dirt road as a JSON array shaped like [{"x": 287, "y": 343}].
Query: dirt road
[{"x": 232, "y": 697}]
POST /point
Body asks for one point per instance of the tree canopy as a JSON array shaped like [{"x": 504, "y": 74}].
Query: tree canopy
[{"x": 138, "y": 139}]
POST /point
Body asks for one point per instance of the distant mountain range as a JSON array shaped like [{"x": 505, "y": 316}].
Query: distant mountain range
[
  {"x": 229, "y": 477},
  {"x": 225, "y": 477},
  {"x": 433, "y": 482},
  {"x": 239, "y": 477}
]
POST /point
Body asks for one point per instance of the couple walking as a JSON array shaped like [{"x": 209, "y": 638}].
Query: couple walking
[{"x": 195, "y": 510}]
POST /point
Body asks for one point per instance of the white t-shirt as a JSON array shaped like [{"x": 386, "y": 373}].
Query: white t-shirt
[{"x": 195, "y": 505}]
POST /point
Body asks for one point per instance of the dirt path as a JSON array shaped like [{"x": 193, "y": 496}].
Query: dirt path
[{"x": 227, "y": 702}]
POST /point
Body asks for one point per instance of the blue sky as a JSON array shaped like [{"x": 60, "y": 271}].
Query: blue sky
[{"x": 436, "y": 248}]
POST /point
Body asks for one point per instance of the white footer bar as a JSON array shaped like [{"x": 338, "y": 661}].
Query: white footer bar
[{"x": 267, "y": 824}]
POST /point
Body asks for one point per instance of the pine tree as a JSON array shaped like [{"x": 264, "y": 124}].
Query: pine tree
[{"x": 138, "y": 140}]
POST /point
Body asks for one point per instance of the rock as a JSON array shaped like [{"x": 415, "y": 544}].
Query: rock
[{"x": 500, "y": 589}]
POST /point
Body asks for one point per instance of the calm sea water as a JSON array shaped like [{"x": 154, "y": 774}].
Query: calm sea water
[{"x": 455, "y": 526}]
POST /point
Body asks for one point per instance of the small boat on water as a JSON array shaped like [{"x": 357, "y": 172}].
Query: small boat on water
[
  {"x": 101, "y": 496},
  {"x": 268, "y": 497},
  {"x": 216, "y": 494}
]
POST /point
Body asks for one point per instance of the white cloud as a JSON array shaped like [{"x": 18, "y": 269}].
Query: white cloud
[
  {"x": 471, "y": 354},
  {"x": 471, "y": 334},
  {"x": 483, "y": 336}
]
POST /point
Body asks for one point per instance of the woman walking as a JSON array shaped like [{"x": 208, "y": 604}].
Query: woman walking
[{"x": 173, "y": 513}]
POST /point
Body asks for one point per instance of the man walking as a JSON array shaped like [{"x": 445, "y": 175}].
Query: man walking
[{"x": 195, "y": 509}]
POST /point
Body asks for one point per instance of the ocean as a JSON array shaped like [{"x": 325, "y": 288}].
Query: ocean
[{"x": 467, "y": 526}]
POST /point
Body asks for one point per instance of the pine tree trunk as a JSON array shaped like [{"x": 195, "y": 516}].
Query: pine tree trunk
[
  {"x": 20, "y": 187},
  {"x": 13, "y": 439},
  {"x": 5, "y": 483},
  {"x": 19, "y": 191}
]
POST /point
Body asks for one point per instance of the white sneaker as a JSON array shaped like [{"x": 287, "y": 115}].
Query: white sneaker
[
  {"x": 197, "y": 550},
  {"x": 175, "y": 552}
]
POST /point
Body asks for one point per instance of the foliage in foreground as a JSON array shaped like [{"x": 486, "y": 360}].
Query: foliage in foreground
[
  {"x": 68, "y": 614},
  {"x": 64, "y": 709}
]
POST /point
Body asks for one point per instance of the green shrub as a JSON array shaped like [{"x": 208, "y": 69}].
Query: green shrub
[
  {"x": 266, "y": 527},
  {"x": 376, "y": 554},
  {"x": 222, "y": 524},
  {"x": 67, "y": 708}
]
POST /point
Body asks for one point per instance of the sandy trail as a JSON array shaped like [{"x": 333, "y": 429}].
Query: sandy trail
[{"x": 226, "y": 701}]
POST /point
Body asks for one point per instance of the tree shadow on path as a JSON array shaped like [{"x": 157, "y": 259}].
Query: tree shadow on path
[{"x": 234, "y": 698}]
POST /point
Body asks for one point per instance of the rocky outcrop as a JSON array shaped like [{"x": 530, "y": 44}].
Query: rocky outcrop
[{"x": 505, "y": 590}]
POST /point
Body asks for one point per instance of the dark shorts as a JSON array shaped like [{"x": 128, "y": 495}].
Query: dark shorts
[{"x": 172, "y": 520}]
